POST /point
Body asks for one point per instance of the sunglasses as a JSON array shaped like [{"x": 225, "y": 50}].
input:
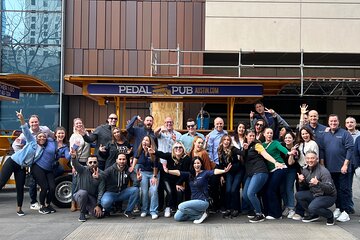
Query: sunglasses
[
  {"x": 258, "y": 124},
  {"x": 190, "y": 126},
  {"x": 178, "y": 147},
  {"x": 92, "y": 162},
  {"x": 112, "y": 118}
]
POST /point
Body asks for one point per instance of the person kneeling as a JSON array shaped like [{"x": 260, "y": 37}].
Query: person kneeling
[
  {"x": 116, "y": 183},
  {"x": 88, "y": 186},
  {"x": 322, "y": 192}
]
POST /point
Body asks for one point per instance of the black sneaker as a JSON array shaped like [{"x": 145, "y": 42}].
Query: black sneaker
[
  {"x": 20, "y": 213},
  {"x": 129, "y": 215},
  {"x": 44, "y": 210},
  {"x": 235, "y": 213},
  {"x": 257, "y": 218},
  {"x": 51, "y": 209},
  {"x": 82, "y": 217},
  {"x": 251, "y": 215},
  {"x": 310, "y": 218},
  {"x": 226, "y": 214},
  {"x": 330, "y": 221}
]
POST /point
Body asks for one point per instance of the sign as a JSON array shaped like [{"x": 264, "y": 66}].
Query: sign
[
  {"x": 175, "y": 90},
  {"x": 9, "y": 92}
]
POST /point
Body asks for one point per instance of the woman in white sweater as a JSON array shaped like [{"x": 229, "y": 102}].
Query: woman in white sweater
[{"x": 306, "y": 141}]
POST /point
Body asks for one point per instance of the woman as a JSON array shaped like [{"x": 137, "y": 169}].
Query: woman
[
  {"x": 288, "y": 185},
  {"x": 306, "y": 142},
  {"x": 271, "y": 198},
  {"x": 16, "y": 163},
  {"x": 195, "y": 209},
  {"x": 239, "y": 137},
  {"x": 82, "y": 149},
  {"x": 118, "y": 145},
  {"x": 257, "y": 173},
  {"x": 259, "y": 130},
  {"x": 197, "y": 150},
  {"x": 43, "y": 173},
  {"x": 230, "y": 154},
  {"x": 148, "y": 164},
  {"x": 62, "y": 150},
  {"x": 174, "y": 186}
]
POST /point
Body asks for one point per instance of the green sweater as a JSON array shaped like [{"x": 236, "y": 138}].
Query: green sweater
[{"x": 274, "y": 148}]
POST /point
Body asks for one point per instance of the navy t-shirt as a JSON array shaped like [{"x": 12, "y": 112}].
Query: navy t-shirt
[{"x": 199, "y": 185}]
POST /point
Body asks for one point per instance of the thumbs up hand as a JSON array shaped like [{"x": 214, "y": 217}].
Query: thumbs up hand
[{"x": 314, "y": 181}]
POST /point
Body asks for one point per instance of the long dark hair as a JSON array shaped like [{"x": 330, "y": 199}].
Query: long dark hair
[
  {"x": 152, "y": 145},
  {"x": 236, "y": 135},
  {"x": 308, "y": 130},
  {"x": 65, "y": 141},
  {"x": 192, "y": 170}
]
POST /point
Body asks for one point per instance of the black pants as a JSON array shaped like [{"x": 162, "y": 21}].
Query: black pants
[
  {"x": 46, "y": 181},
  {"x": 8, "y": 168}
]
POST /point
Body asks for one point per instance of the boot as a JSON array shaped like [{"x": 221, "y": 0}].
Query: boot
[{"x": 73, "y": 206}]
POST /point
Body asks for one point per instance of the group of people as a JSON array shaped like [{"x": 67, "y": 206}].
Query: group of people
[{"x": 297, "y": 174}]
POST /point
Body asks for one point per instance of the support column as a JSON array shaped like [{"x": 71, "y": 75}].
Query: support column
[{"x": 230, "y": 113}]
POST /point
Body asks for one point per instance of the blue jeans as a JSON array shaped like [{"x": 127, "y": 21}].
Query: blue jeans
[
  {"x": 233, "y": 181},
  {"x": 315, "y": 205},
  {"x": 130, "y": 194},
  {"x": 191, "y": 210},
  {"x": 288, "y": 188},
  {"x": 342, "y": 184},
  {"x": 253, "y": 185},
  {"x": 146, "y": 189}
]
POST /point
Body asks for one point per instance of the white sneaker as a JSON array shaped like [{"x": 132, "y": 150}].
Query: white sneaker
[
  {"x": 291, "y": 213},
  {"x": 336, "y": 212},
  {"x": 167, "y": 212},
  {"x": 35, "y": 206},
  {"x": 154, "y": 216},
  {"x": 344, "y": 217},
  {"x": 200, "y": 220},
  {"x": 297, "y": 217},
  {"x": 272, "y": 218},
  {"x": 286, "y": 211},
  {"x": 143, "y": 214}
]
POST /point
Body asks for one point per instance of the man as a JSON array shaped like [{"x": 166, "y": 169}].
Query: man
[
  {"x": 116, "y": 180},
  {"x": 166, "y": 137},
  {"x": 102, "y": 135},
  {"x": 19, "y": 143},
  {"x": 213, "y": 141},
  {"x": 350, "y": 124},
  {"x": 322, "y": 192},
  {"x": 188, "y": 138},
  {"x": 139, "y": 132},
  {"x": 336, "y": 150},
  {"x": 272, "y": 119},
  {"x": 89, "y": 186},
  {"x": 317, "y": 128}
]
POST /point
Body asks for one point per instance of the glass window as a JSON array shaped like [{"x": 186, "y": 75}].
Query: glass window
[
  {"x": 45, "y": 3},
  {"x": 46, "y": 19},
  {"x": 33, "y": 19},
  {"x": 45, "y": 26},
  {"x": 32, "y": 26},
  {"x": 45, "y": 34},
  {"x": 33, "y": 2},
  {"x": 32, "y": 40},
  {"x": 32, "y": 33}
]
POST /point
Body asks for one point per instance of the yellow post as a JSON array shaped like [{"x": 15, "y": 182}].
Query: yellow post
[
  {"x": 117, "y": 107},
  {"x": 123, "y": 122},
  {"x": 230, "y": 113}
]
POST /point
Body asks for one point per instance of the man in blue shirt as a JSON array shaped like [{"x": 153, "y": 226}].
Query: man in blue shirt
[
  {"x": 336, "y": 150},
  {"x": 317, "y": 128},
  {"x": 188, "y": 138}
]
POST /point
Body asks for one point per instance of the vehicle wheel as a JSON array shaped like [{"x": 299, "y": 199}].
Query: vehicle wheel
[{"x": 63, "y": 185}]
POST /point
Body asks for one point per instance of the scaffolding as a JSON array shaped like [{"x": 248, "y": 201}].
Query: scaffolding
[{"x": 308, "y": 84}]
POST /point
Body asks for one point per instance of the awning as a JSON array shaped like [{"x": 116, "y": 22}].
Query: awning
[{"x": 11, "y": 84}]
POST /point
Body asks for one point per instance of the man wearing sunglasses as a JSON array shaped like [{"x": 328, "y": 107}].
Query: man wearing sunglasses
[
  {"x": 89, "y": 186},
  {"x": 102, "y": 135},
  {"x": 188, "y": 138}
]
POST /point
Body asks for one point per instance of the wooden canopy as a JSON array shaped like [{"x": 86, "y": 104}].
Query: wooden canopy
[{"x": 26, "y": 83}]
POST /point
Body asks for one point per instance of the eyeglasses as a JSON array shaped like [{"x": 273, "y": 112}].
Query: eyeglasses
[
  {"x": 111, "y": 118},
  {"x": 190, "y": 126},
  {"x": 260, "y": 125},
  {"x": 92, "y": 162},
  {"x": 178, "y": 147}
]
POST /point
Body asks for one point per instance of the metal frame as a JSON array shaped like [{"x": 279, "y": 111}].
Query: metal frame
[{"x": 308, "y": 86}]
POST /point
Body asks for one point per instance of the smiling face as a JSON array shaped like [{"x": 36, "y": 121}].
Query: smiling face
[
  {"x": 259, "y": 126},
  {"x": 191, "y": 127},
  {"x": 241, "y": 129},
  {"x": 92, "y": 162},
  {"x": 41, "y": 139},
  {"x": 250, "y": 137},
  {"x": 333, "y": 123},
  {"x": 34, "y": 124},
  {"x": 116, "y": 133},
  {"x": 146, "y": 143},
  {"x": 350, "y": 124},
  {"x": 305, "y": 135},
  {"x": 198, "y": 144},
  {"x": 219, "y": 124},
  {"x": 226, "y": 141},
  {"x": 121, "y": 161},
  {"x": 178, "y": 149},
  {"x": 112, "y": 119},
  {"x": 60, "y": 135},
  {"x": 259, "y": 108},
  {"x": 78, "y": 124},
  {"x": 169, "y": 124},
  {"x": 311, "y": 159},
  {"x": 268, "y": 133},
  {"x": 197, "y": 165},
  {"x": 313, "y": 117},
  {"x": 288, "y": 139}
]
